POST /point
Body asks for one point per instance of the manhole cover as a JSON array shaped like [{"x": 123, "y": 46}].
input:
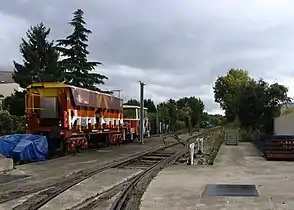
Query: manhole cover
[
  {"x": 10, "y": 178},
  {"x": 230, "y": 190}
]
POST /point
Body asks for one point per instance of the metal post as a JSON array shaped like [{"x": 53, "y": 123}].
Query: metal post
[
  {"x": 1, "y": 102},
  {"x": 157, "y": 120},
  {"x": 192, "y": 151},
  {"x": 199, "y": 113},
  {"x": 141, "y": 112}
]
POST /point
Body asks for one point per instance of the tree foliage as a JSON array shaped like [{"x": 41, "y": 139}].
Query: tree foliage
[
  {"x": 40, "y": 59},
  {"x": 15, "y": 103},
  {"x": 260, "y": 103},
  {"x": 193, "y": 106},
  {"x": 148, "y": 103},
  {"x": 133, "y": 102},
  {"x": 214, "y": 119},
  {"x": 228, "y": 88},
  {"x": 74, "y": 48},
  {"x": 40, "y": 64},
  {"x": 253, "y": 103},
  {"x": 187, "y": 111},
  {"x": 10, "y": 124}
]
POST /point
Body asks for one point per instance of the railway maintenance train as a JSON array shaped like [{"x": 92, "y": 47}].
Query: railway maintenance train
[
  {"x": 76, "y": 118},
  {"x": 132, "y": 118}
]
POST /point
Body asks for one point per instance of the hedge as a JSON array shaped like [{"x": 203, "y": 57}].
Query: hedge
[{"x": 11, "y": 124}]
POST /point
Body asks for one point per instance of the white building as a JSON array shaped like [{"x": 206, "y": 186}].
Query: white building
[
  {"x": 7, "y": 85},
  {"x": 284, "y": 124}
]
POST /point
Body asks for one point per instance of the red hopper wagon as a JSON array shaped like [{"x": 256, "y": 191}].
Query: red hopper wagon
[{"x": 74, "y": 117}]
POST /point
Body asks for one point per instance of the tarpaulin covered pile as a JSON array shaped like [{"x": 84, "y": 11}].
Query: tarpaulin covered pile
[{"x": 24, "y": 147}]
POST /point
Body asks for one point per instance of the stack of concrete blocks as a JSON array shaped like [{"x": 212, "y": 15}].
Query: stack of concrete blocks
[
  {"x": 232, "y": 137},
  {"x": 6, "y": 164}
]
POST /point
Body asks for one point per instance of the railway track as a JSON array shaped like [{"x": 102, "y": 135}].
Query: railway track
[
  {"x": 134, "y": 189},
  {"x": 130, "y": 197},
  {"x": 146, "y": 161},
  {"x": 150, "y": 163},
  {"x": 77, "y": 176}
]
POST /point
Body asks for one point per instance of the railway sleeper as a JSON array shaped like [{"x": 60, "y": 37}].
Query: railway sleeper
[
  {"x": 161, "y": 153},
  {"x": 137, "y": 167},
  {"x": 152, "y": 161},
  {"x": 142, "y": 163},
  {"x": 154, "y": 158}
]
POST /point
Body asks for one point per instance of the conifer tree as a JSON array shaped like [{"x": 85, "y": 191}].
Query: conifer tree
[
  {"x": 40, "y": 59},
  {"x": 74, "y": 48}
]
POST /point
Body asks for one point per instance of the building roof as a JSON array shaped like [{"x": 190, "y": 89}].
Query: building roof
[{"x": 6, "y": 77}]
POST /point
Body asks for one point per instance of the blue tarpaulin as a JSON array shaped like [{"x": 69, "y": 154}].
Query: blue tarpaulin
[{"x": 24, "y": 147}]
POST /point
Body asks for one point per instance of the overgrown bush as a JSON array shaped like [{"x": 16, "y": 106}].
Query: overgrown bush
[
  {"x": 249, "y": 135},
  {"x": 19, "y": 124},
  {"x": 218, "y": 140},
  {"x": 11, "y": 124}
]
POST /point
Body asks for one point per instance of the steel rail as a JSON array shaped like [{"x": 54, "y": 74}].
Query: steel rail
[
  {"x": 52, "y": 191},
  {"x": 121, "y": 200}
]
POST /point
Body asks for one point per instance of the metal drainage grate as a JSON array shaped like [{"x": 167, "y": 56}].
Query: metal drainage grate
[
  {"x": 230, "y": 190},
  {"x": 9, "y": 178}
]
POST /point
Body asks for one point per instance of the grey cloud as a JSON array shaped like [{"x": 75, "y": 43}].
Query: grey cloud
[{"x": 178, "y": 48}]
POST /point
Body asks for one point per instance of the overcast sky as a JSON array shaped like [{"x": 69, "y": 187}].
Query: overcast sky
[{"x": 178, "y": 48}]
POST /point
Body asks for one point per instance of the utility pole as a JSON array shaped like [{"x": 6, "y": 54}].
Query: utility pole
[
  {"x": 141, "y": 112},
  {"x": 199, "y": 113}
]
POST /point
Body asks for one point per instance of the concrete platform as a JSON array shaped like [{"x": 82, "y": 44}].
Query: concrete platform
[{"x": 181, "y": 187}]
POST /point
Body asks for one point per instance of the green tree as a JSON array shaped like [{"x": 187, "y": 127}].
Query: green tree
[
  {"x": 132, "y": 102},
  {"x": 40, "y": 64},
  {"x": 216, "y": 119},
  {"x": 163, "y": 112},
  {"x": 185, "y": 111},
  {"x": 74, "y": 47},
  {"x": 253, "y": 104},
  {"x": 15, "y": 103},
  {"x": 40, "y": 59},
  {"x": 6, "y": 123},
  {"x": 260, "y": 104},
  {"x": 149, "y": 104},
  {"x": 227, "y": 90},
  {"x": 195, "y": 107}
]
